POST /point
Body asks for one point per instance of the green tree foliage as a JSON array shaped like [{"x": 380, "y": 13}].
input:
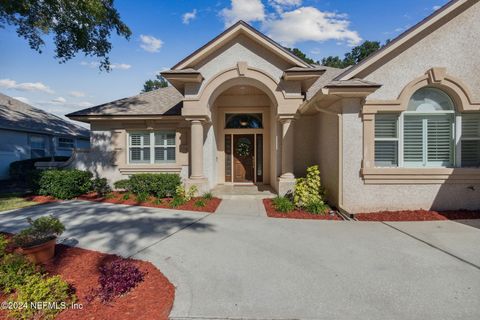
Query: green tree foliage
[
  {"x": 353, "y": 57},
  {"x": 299, "y": 53},
  {"x": 76, "y": 26},
  {"x": 157, "y": 83}
]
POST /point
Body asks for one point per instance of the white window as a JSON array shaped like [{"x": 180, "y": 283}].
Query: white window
[
  {"x": 66, "y": 143},
  {"x": 425, "y": 134},
  {"x": 38, "y": 146},
  {"x": 151, "y": 147},
  {"x": 470, "y": 141}
]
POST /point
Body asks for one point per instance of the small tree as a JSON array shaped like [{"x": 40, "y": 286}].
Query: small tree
[
  {"x": 308, "y": 190},
  {"x": 155, "y": 84}
]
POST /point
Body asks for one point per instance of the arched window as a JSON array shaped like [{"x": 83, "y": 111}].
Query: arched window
[
  {"x": 243, "y": 121},
  {"x": 428, "y": 125},
  {"x": 421, "y": 136}
]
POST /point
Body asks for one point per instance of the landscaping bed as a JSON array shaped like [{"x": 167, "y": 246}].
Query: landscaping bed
[
  {"x": 210, "y": 205},
  {"x": 151, "y": 298},
  {"x": 296, "y": 214},
  {"x": 418, "y": 215}
]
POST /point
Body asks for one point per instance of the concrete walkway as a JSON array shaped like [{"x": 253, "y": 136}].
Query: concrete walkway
[{"x": 243, "y": 266}]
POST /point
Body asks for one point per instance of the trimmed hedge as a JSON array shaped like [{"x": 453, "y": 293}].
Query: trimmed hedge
[
  {"x": 22, "y": 169},
  {"x": 160, "y": 185},
  {"x": 64, "y": 184}
]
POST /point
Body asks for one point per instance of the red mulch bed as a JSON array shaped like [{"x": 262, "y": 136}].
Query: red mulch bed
[
  {"x": 151, "y": 299},
  {"x": 117, "y": 198},
  {"x": 297, "y": 214},
  {"x": 40, "y": 199},
  {"x": 418, "y": 215}
]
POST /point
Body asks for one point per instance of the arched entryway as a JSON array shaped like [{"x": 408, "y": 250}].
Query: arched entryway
[{"x": 243, "y": 129}]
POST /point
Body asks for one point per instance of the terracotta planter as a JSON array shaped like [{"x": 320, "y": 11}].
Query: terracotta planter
[{"x": 40, "y": 253}]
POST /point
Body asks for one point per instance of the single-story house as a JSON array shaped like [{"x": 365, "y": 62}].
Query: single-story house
[
  {"x": 27, "y": 132},
  {"x": 400, "y": 130}
]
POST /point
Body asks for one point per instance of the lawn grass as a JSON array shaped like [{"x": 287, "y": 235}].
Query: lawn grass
[{"x": 14, "y": 201}]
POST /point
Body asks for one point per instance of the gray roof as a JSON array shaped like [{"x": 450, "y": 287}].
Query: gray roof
[
  {"x": 163, "y": 101},
  {"x": 19, "y": 116},
  {"x": 323, "y": 80}
]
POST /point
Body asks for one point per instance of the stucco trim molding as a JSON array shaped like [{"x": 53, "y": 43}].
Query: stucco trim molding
[
  {"x": 132, "y": 169},
  {"x": 420, "y": 175},
  {"x": 435, "y": 77}
]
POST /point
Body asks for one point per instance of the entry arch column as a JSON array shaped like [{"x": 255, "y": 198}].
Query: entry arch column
[
  {"x": 286, "y": 181},
  {"x": 197, "y": 176}
]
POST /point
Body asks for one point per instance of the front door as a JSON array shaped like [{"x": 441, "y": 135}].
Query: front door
[{"x": 243, "y": 158}]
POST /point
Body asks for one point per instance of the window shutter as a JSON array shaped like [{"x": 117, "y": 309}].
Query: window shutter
[
  {"x": 386, "y": 126},
  {"x": 470, "y": 140},
  {"x": 386, "y": 140},
  {"x": 439, "y": 139},
  {"x": 413, "y": 140}
]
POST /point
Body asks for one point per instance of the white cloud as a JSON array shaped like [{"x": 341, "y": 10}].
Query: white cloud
[
  {"x": 83, "y": 104},
  {"x": 59, "y": 100},
  {"x": 76, "y": 94},
  {"x": 23, "y": 99},
  {"x": 189, "y": 16},
  {"x": 150, "y": 43},
  {"x": 113, "y": 66},
  {"x": 90, "y": 64},
  {"x": 247, "y": 10},
  {"x": 310, "y": 24},
  {"x": 25, "y": 86},
  {"x": 435, "y": 8},
  {"x": 120, "y": 66},
  {"x": 281, "y": 5}
]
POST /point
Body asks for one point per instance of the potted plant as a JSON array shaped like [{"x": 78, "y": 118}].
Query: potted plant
[{"x": 37, "y": 242}]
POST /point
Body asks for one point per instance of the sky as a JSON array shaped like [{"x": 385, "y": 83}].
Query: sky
[{"x": 164, "y": 32}]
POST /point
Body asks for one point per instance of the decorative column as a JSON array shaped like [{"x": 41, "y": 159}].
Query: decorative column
[
  {"x": 287, "y": 148},
  {"x": 286, "y": 181},
  {"x": 196, "y": 157}
]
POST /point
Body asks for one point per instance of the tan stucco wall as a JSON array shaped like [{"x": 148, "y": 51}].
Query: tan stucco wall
[
  {"x": 108, "y": 149},
  {"x": 454, "y": 46},
  {"x": 359, "y": 197},
  {"x": 327, "y": 154}
]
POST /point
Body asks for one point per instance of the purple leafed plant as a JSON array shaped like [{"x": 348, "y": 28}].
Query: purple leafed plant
[{"x": 118, "y": 277}]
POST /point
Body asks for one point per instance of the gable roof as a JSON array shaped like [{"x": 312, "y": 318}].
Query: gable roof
[
  {"x": 228, "y": 34},
  {"x": 19, "y": 116},
  {"x": 164, "y": 101},
  {"x": 407, "y": 38}
]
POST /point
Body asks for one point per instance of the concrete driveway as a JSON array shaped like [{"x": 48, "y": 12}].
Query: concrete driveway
[{"x": 247, "y": 266}]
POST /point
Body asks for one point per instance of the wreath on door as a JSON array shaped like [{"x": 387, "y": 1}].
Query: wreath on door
[{"x": 243, "y": 149}]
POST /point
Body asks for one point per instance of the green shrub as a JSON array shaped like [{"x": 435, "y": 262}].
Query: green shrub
[
  {"x": 187, "y": 195},
  {"x": 52, "y": 290},
  {"x": 159, "y": 185},
  {"x": 142, "y": 197},
  {"x": 177, "y": 201},
  {"x": 317, "y": 207},
  {"x": 157, "y": 201},
  {"x": 14, "y": 269},
  {"x": 3, "y": 245},
  {"x": 65, "y": 184},
  {"x": 126, "y": 196},
  {"x": 200, "y": 203},
  {"x": 308, "y": 190},
  {"x": 100, "y": 186},
  {"x": 207, "y": 196},
  {"x": 123, "y": 184},
  {"x": 283, "y": 204},
  {"x": 40, "y": 231},
  {"x": 21, "y": 170}
]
